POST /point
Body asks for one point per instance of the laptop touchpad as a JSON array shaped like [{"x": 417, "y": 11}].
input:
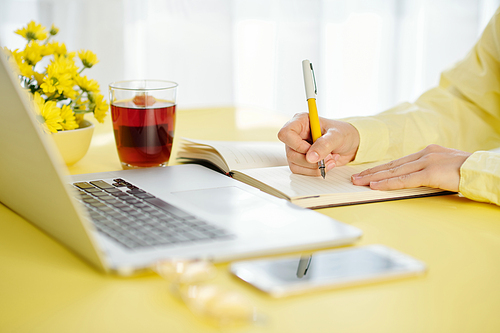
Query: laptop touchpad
[{"x": 226, "y": 200}]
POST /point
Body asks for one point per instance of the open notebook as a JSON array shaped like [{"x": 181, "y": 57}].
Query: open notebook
[{"x": 264, "y": 166}]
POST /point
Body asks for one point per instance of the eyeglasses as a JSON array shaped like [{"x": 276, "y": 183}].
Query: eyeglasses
[{"x": 213, "y": 303}]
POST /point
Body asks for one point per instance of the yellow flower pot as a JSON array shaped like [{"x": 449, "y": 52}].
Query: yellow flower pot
[{"x": 73, "y": 144}]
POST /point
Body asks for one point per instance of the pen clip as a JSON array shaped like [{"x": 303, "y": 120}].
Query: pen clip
[{"x": 314, "y": 79}]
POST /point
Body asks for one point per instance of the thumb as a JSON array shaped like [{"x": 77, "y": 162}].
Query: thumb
[
  {"x": 312, "y": 156},
  {"x": 320, "y": 149},
  {"x": 340, "y": 140}
]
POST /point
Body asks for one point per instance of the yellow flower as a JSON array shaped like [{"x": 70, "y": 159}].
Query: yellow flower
[
  {"x": 56, "y": 81},
  {"x": 18, "y": 65},
  {"x": 79, "y": 104},
  {"x": 38, "y": 77},
  {"x": 33, "y": 53},
  {"x": 22, "y": 68},
  {"x": 69, "y": 120},
  {"x": 59, "y": 82},
  {"x": 86, "y": 84},
  {"x": 59, "y": 79},
  {"x": 26, "y": 70},
  {"x": 101, "y": 107},
  {"x": 33, "y": 32},
  {"x": 88, "y": 58},
  {"x": 66, "y": 63},
  {"x": 57, "y": 48},
  {"x": 48, "y": 113},
  {"x": 17, "y": 55},
  {"x": 53, "y": 30},
  {"x": 70, "y": 93},
  {"x": 79, "y": 117}
]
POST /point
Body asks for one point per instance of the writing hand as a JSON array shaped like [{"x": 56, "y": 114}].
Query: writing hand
[
  {"x": 434, "y": 166},
  {"x": 337, "y": 146}
]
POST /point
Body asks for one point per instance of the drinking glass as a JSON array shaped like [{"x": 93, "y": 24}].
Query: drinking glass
[{"x": 143, "y": 113}]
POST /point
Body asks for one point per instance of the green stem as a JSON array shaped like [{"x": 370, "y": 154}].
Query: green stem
[{"x": 73, "y": 101}]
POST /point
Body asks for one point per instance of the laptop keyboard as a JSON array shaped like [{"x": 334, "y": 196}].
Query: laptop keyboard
[{"x": 138, "y": 219}]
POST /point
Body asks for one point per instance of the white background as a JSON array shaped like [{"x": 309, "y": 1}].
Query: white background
[{"x": 368, "y": 54}]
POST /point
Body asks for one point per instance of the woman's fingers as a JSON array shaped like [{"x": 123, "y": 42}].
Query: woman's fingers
[
  {"x": 393, "y": 165},
  {"x": 337, "y": 146},
  {"x": 433, "y": 166},
  {"x": 299, "y": 165},
  {"x": 340, "y": 139},
  {"x": 409, "y": 180},
  {"x": 295, "y": 133},
  {"x": 387, "y": 171}
]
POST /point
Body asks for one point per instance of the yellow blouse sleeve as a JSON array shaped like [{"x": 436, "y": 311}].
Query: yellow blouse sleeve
[
  {"x": 480, "y": 177},
  {"x": 463, "y": 112}
]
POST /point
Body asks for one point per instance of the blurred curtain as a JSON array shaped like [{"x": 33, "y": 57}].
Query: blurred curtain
[{"x": 368, "y": 54}]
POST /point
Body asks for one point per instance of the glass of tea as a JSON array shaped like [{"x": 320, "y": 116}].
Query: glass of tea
[{"x": 143, "y": 113}]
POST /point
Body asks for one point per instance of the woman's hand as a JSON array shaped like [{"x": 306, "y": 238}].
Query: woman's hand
[
  {"x": 337, "y": 146},
  {"x": 434, "y": 166}
]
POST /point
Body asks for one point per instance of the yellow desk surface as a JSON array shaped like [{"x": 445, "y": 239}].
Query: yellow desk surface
[{"x": 45, "y": 288}]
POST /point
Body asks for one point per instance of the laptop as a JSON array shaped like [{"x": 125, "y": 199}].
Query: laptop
[{"x": 125, "y": 221}]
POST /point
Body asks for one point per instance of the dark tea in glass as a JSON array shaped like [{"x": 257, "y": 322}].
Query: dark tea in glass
[
  {"x": 143, "y": 113},
  {"x": 143, "y": 136}
]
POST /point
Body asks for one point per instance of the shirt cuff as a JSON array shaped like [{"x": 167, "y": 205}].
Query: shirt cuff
[
  {"x": 373, "y": 139},
  {"x": 480, "y": 177}
]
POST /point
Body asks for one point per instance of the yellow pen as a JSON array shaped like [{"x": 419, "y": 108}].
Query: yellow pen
[{"x": 310, "y": 84}]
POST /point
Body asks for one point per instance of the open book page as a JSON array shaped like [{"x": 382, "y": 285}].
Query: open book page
[
  {"x": 308, "y": 191},
  {"x": 232, "y": 155},
  {"x": 337, "y": 180}
]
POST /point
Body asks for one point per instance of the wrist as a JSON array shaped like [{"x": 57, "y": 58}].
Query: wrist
[{"x": 373, "y": 136}]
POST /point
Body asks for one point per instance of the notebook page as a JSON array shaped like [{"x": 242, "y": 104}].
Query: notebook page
[
  {"x": 240, "y": 155},
  {"x": 338, "y": 180}
]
